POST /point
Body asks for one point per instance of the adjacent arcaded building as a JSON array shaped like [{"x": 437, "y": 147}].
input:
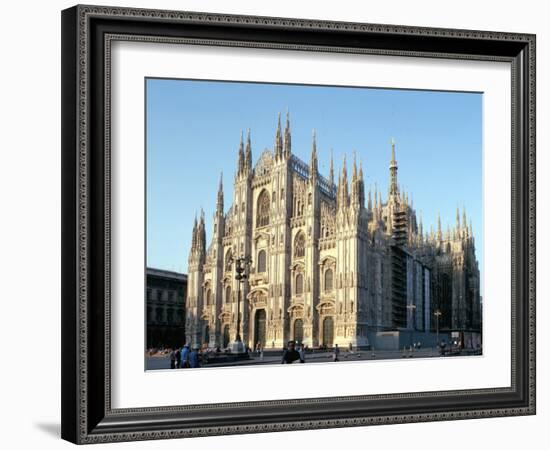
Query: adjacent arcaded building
[{"x": 327, "y": 264}]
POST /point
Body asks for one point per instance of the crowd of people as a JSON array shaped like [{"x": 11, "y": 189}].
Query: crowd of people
[{"x": 186, "y": 357}]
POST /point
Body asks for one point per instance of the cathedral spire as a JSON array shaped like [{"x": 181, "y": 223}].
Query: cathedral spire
[
  {"x": 361, "y": 184},
  {"x": 240, "y": 164},
  {"x": 343, "y": 197},
  {"x": 421, "y": 229},
  {"x": 345, "y": 192},
  {"x": 354, "y": 173},
  {"x": 248, "y": 152},
  {"x": 219, "y": 204},
  {"x": 457, "y": 220},
  {"x": 194, "y": 237},
  {"x": 287, "y": 143},
  {"x": 394, "y": 190},
  {"x": 279, "y": 139},
  {"x": 439, "y": 235},
  {"x": 354, "y": 184},
  {"x": 331, "y": 170},
  {"x": 369, "y": 201},
  {"x": 201, "y": 235},
  {"x": 464, "y": 222},
  {"x": 313, "y": 163}
]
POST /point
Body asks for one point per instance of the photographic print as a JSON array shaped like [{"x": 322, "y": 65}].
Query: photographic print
[
  {"x": 311, "y": 224},
  {"x": 288, "y": 196}
]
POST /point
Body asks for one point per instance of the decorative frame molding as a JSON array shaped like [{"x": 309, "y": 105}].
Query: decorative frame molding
[{"x": 87, "y": 34}]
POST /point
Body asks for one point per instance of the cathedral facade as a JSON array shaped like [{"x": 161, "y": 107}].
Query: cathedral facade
[{"x": 328, "y": 264}]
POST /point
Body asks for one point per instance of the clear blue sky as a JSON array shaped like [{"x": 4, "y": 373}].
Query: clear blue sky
[{"x": 194, "y": 127}]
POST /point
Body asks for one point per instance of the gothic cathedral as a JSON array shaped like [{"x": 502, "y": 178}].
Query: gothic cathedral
[{"x": 327, "y": 266}]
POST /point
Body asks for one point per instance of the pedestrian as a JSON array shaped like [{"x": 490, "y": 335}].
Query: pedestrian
[
  {"x": 194, "y": 358},
  {"x": 302, "y": 352},
  {"x": 290, "y": 354},
  {"x": 335, "y": 353},
  {"x": 185, "y": 356},
  {"x": 173, "y": 359},
  {"x": 178, "y": 358}
]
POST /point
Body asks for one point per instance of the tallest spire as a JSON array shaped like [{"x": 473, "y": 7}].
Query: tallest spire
[{"x": 394, "y": 190}]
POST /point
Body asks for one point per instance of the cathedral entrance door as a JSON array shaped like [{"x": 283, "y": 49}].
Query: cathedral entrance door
[
  {"x": 207, "y": 334},
  {"x": 259, "y": 327},
  {"x": 225, "y": 336},
  {"x": 328, "y": 331},
  {"x": 298, "y": 331}
]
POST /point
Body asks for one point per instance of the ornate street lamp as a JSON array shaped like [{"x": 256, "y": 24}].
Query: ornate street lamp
[{"x": 242, "y": 265}]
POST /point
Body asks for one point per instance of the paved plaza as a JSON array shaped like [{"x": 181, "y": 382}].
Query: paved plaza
[{"x": 274, "y": 357}]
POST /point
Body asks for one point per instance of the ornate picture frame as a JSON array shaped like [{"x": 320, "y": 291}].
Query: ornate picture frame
[{"x": 87, "y": 35}]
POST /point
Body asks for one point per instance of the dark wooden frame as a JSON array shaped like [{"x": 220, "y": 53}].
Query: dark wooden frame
[{"x": 87, "y": 416}]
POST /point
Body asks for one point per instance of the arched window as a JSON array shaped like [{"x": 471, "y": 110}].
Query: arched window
[
  {"x": 228, "y": 261},
  {"x": 328, "y": 280},
  {"x": 299, "y": 284},
  {"x": 262, "y": 265},
  {"x": 262, "y": 211},
  {"x": 208, "y": 297},
  {"x": 299, "y": 245},
  {"x": 228, "y": 294}
]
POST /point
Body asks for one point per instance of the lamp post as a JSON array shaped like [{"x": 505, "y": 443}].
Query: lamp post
[
  {"x": 437, "y": 315},
  {"x": 412, "y": 308},
  {"x": 241, "y": 274}
]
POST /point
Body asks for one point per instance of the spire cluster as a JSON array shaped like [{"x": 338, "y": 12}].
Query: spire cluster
[
  {"x": 351, "y": 193},
  {"x": 198, "y": 241}
]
